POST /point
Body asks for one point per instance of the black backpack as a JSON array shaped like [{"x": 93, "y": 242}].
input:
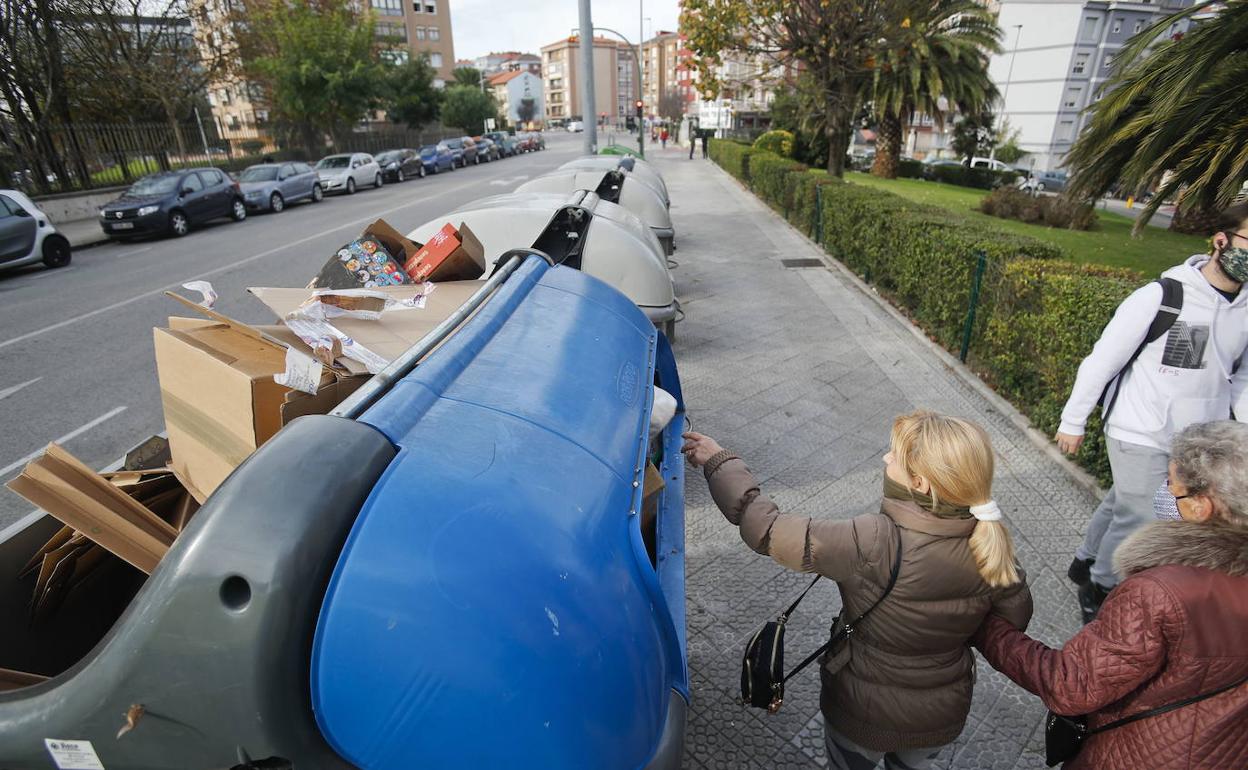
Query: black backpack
[{"x": 1167, "y": 314}]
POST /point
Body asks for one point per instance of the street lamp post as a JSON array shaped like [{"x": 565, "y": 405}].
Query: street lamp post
[
  {"x": 1005, "y": 94},
  {"x": 636, "y": 51}
]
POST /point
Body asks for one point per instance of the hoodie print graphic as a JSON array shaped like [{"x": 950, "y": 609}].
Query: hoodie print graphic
[{"x": 1185, "y": 346}]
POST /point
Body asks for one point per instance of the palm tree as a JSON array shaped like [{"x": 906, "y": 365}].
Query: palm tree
[
  {"x": 939, "y": 61},
  {"x": 1174, "y": 113}
]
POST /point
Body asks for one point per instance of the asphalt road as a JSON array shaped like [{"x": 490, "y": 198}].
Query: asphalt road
[{"x": 76, "y": 359}]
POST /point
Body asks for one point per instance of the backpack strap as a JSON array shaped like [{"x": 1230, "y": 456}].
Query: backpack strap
[
  {"x": 1167, "y": 314},
  {"x": 848, "y": 628}
]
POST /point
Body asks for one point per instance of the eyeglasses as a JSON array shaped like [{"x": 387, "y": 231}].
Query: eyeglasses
[
  {"x": 1177, "y": 498},
  {"x": 1236, "y": 234}
]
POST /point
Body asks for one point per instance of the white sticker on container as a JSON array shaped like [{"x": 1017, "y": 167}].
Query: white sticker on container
[
  {"x": 303, "y": 372},
  {"x": 73, "y": 755},
  {"x": 205, "y": 289}
]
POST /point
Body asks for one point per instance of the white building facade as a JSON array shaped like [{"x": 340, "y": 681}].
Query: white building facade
[
  {"x": 512, "y": 89},
  {"x": 1061, "y": 54}
]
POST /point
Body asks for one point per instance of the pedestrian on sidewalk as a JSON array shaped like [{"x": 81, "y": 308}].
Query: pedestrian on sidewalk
[
  {"x": 705, "y": 135},
  {"x": 1155, "y": 371},
  {"x": 898, "y": 688},
  {"x": 693, "y": 140},
  {"x": 1172, "y": 630},
  {"x": 663, "y": 137}
]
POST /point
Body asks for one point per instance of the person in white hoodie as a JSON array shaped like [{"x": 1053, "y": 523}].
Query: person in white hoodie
[{"x": 1151, "y": 390}]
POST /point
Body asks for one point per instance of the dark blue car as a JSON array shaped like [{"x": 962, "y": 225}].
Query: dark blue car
[
  {"x": 169, "y": 202},
  {"x": 437, "y": 158}
]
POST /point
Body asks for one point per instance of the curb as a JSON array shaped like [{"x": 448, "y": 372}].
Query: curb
[{"x": 1079, "y": 476}]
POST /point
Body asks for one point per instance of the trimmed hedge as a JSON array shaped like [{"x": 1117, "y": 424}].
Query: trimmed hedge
[
  {"x": 1038, "y": 315},
  {"x": 982, "y": 178},
  {"x": 733, "y": 156},
  {"x": 778, "y": 141}
]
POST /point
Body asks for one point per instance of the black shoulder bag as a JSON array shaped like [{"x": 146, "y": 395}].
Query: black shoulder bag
[
  {"x": 1064, "y": 736},
  {"x": 762, "y": 667}
]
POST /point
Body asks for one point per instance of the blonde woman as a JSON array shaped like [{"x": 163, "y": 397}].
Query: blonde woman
[{"x": 899, "y": 688}]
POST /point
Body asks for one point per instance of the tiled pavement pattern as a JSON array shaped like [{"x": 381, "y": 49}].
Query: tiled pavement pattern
[{"x": 801, "y": 374}]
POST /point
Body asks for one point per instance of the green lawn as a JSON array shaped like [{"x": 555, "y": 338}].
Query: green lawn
[
  {"x": 137, "y": 167},
  {"x": 1110, "y": 244}
]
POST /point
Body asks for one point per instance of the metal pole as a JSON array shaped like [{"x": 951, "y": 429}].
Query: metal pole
[
  {"x": 202, "y": 136},
  {"x": 589, "y": 110},
  {"x": 1005, "y": 94},
  {"x": 981, "y": 262}
]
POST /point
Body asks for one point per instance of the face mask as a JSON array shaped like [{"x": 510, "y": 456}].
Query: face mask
[
  {"x": 1165, "y": 507},
  {"x": 1234, "y": 262}
]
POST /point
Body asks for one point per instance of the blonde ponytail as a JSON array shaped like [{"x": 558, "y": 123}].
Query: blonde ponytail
[
  {"x": 955, "y": 456},
  {"x": 993, "y": 549}
]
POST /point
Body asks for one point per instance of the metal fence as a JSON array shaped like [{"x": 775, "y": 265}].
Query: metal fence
[{"x": 87, "y": 156}]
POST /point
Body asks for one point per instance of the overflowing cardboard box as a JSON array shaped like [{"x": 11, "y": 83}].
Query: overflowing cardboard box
[
  {"x": 452, "y": 254},
  {"x": 219, "y": 395}
]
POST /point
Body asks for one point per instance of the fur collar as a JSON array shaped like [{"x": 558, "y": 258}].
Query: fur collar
[{"x": 1211, "y": 546}]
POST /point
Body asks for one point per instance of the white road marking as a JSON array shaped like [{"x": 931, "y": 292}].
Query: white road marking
[
  {"x": 63, "y": 439},
  {"x": 216, "y": 271},
  {"x": 11, "y": 390},
  {"x": 45, "y": 272},
  {"x": 509, "y": 180}
]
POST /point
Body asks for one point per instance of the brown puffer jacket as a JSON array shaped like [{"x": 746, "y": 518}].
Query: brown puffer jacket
[
  {"x": 904, "y": 678},
  {"x": 1175, "y": 628}
]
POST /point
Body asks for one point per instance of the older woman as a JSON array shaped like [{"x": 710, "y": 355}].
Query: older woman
[{"x": 1173, "y": 630}]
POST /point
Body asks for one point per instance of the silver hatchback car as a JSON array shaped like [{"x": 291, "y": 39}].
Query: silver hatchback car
[
  {"x": 348, "y": 172},
  {"x": 27, "y": 235}
]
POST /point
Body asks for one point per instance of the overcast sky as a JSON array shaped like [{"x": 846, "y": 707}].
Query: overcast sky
[{"x": 482, "y": 26}]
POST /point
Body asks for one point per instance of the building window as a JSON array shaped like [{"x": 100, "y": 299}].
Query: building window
[
  {"x": 1066, "y": 131},
  {"x": 418, "y": 6},
  {"x": 431, "y": 6},
  {"x": 1089, "y": 28},
  {"x": 1139, "y": 25},
  {"x": 420, "y": 33},
  {"x": 1117, "y": 26},
  {"x": 388, "y": 7},
  {"x": 1109, "y": 60},
  {"x": 394, "y": 56},
  {"x": 435, "y": 33},
  {"x": 1081, "y": 63},
  {"x": 388, "y": 30},
  {"x": 435, "y": 60},
  {"x": 1072, "y": 98},
  {"x": 439, "y": 83}
]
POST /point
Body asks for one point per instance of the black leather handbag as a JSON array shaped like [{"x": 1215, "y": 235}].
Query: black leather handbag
[
  {"x": 1064, "y": 736},
  {"x": 762, "y": 666}
]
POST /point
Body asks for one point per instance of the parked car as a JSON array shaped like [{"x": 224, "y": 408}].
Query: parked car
[
  {"x": 348, "y": 172},
  {"x": 575, "y": 126},
  {"x": 270, "y": 186},
  {"x": 1042, "y": 181},
  {"x": 464, "y": 149},
  {"x": 437, "y": 158},
  {"x": 487, "y": 150},
  {"x": 27, "y": 235},
  {"x": 989, "y": 163},
  {"x": 931, "y": 164},
  {"x": 508, "y": 144},
  {"x": 399, "y": 165},
  {"x": 170, "y": 202},
  {"x": 537, "y": 140}
]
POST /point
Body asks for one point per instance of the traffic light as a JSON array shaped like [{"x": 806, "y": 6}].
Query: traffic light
[{"x": 638, "y": 105}]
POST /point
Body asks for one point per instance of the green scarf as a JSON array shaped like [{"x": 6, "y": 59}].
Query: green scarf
[{"x": 895, "y": 491}]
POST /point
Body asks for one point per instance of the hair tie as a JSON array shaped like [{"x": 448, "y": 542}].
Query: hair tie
[{"x": 988, "y": 511}]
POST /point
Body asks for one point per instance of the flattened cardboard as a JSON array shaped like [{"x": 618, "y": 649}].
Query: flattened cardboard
[
  {"x": 451, "y": 255},
  {"x": 397, "y": 330},
  {"x": 60, "y": 484}
]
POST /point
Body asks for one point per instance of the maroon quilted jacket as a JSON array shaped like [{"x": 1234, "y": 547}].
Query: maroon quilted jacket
[{"x": 1176, "y": 627}]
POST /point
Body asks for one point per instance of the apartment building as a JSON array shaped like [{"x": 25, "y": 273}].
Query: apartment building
[
  {"x": 1055, "y": 60},
  {"x": 748, "y": 85},
  {"x": 615, "y": 81},
  {"x": 667, "y": 76},
  {"x": 519, "y": 96},
  {"x": 416, "y": 27},
  {"x": 508, "y": 61}
]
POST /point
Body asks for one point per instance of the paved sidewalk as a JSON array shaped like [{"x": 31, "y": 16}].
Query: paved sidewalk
[
  {"x": 82, "y": 232},
  {"x": 801, "y": 373}
]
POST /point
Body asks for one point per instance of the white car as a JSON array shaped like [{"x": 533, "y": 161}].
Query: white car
[
  {"x": 27, "y": 235},
  {"x": 991, "y": 163},
  {"x": 348, "y": 172},
  {"x": 575, "y": 126}
]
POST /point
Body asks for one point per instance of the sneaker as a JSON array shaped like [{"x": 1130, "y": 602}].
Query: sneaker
[
  {"x": 1091, "y": 597},
  {"x": 1080, "y": 571}
]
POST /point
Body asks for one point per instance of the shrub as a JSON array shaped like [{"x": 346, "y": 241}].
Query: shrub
[
  {"x": 910, "y": 169},
  {"x": 1048, "y": 315},
  {"x": 982, "y": 178},
  {"x": 806, "y": 196},
  {"x": 778, "y": 142},
  {"x": 732, "y": 156},
  {"x": 1054, "y": 211},
  {"x": 769, "y": 177}
]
